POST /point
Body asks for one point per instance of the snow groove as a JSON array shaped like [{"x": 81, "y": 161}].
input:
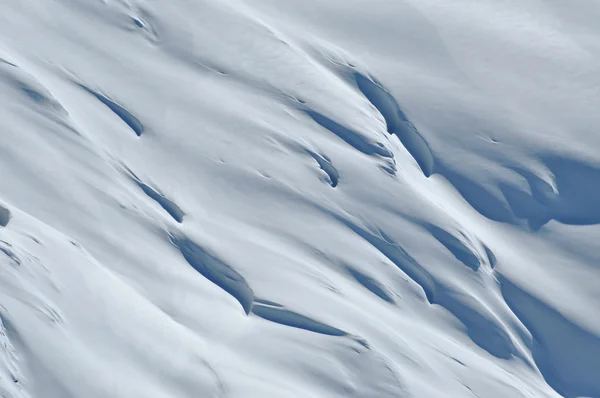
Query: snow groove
[
  {"x": 325, "y": 164},
  {"x": 457, "y": 247},
  {"x": 352, "y": 138},
  {"x": 371, "y": 284},
  {"x": 4, "y": 216},
  {"x": 215, "y": 270},
  {"x": 397, "y": 122},
  {"x": 399, "y": 257},
  {"x": 277, "y": 313},
  {"x": 134, "y": 124},
  {"x": 168, "y": 205}
]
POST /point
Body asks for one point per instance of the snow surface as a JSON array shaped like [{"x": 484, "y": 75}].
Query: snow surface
[{"x": 267, "y": 198}]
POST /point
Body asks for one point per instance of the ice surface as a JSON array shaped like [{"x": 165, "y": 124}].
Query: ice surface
[{"x": 266, "y": 198}]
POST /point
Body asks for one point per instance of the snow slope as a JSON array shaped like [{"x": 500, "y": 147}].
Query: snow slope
[{"x": 266, "y": 198}]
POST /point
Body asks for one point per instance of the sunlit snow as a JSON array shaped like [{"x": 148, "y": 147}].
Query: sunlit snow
[{"x": 299, "y": 198}]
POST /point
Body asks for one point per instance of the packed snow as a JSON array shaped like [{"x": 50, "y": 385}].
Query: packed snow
[{"x": 300, "y": 198}]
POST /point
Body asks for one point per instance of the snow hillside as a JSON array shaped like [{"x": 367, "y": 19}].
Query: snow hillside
[{"x": 301, "y": 198}]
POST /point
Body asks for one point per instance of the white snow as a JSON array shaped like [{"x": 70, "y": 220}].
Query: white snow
[{"x": 302, "y": 198}]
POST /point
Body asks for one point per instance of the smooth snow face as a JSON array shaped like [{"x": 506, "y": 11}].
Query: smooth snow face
[{"x": 303, "y": 198}]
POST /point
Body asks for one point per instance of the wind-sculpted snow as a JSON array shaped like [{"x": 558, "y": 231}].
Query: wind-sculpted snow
[
  {"x": 278, "y": 314},
  {"x": 370, "y": 284},
  {"x": 299, "y": 198},
  {"x": 11, "y": 375},
  {"x": 121, "y": 112},
  {"x": 457, "y": 247},
  {"x": 353, "y": 138},
  {"x": 169, "y": 206},
  {"x": 4, "y": 216},
  {"x": 399, "y": 257},
  {"x": 325, "y": 165},
  {"x": 216, "y": 271},
  {"x": 566, "y": 353},
  {"x": 397, "y": 123},
  {"x": 571, "y": 199}
]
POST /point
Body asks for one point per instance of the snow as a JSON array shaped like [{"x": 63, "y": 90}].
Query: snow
[{"x": 299, "y": 198}]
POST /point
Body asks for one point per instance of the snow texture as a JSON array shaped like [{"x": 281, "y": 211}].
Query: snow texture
[{"x": 301, "y": 198}]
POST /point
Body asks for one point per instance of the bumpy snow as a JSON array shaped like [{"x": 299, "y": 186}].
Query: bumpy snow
[{"x": 299, "y": 198}]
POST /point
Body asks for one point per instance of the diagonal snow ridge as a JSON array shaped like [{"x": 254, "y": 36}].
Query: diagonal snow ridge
[
  {"x": 299, "y": 199},
  {"x": 131, "y": 121},
  {"x": 168, "y": 205},
  {"x": 397, "y": 122},
  {"x": 215, "y": 270}
]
